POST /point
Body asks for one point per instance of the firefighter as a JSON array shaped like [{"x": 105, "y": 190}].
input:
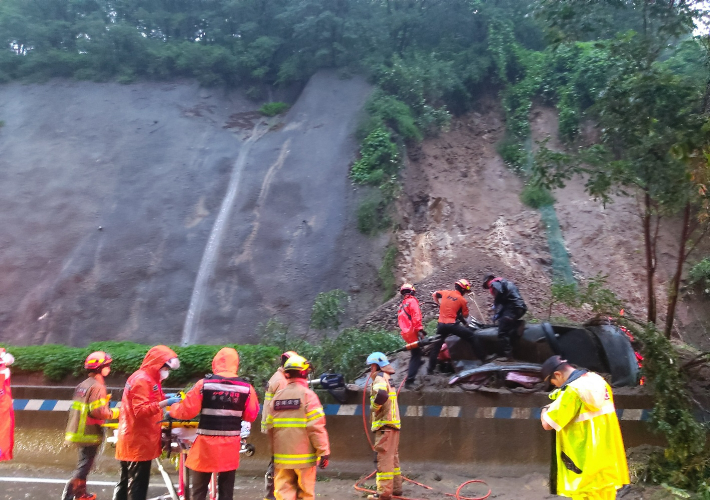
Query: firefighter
[
  {"x": 277, "y": 382},
  {"x": 386, "y": 425},
  {"x": 453, "y": 310},
  {"x": 509, "y": 308},
  {"x": 139, "y": 431},
  {"x": 296, "y": 427},
  {"x": 7, "y": 414},
  {"x": 409, "y": 317},
  {"x": 88, "y": 411},
  {"x": 223, "y": 401},
  {"x": 590, "y": 455}
]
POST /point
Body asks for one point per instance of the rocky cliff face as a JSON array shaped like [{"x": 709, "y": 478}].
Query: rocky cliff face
[{"x": 111, "y": 194}]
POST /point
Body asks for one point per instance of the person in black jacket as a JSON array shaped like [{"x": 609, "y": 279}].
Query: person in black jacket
[{"x": 509, "y": 308}]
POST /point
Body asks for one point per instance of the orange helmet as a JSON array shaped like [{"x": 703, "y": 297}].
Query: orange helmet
[
  {"x": 407, "y": 287},
  {"x": 464, "y": 285},
  {"x": 287, "y": 355},
  {"x": 97, "y": 360}
]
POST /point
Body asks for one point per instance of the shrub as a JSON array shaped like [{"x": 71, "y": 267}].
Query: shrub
[
  {"x": 327, "y": 309},
  {"x": 513, "y": 153},
  {"x": 273, "y": 108},
  {"x": 386, "y": 271},
  {"x": 536, "y": 196},
  {"x": 379, "y": 158},
  {"x": 371, "y": 216},
  {"x": 699, "y": 275}
]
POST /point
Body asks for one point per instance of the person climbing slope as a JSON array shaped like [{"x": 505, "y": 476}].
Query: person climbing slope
[{"x": 409, "y": 317}]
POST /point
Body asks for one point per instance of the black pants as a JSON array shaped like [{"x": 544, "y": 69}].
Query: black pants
[
  {"x": 508, "y": 330},
  {"x": 133, "y": 484},
  {"x": 269, "y": 481},
  {"x": 76, "y": 487},
  {"x": 201, "y": 481},
  {"x": 444, "y": 330},
  {"x": 414, "y": 363}
]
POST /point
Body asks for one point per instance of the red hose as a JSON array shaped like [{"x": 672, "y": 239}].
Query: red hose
[{"x": 357, "y": 486}]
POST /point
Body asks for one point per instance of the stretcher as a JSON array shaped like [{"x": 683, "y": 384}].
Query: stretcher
[{"x": 177, "y": 438}]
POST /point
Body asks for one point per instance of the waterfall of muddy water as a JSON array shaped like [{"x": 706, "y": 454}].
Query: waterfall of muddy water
[{"x": 192, "y": 320}]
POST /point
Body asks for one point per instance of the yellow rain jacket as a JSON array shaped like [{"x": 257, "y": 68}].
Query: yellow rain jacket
[
  {"x": 590, "y": 451},
  {"x": 386, "y": 414}
]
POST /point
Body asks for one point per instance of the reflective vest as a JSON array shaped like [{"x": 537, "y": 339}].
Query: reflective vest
[
  {"x": 296, "y": 421},
  {"x": 387, "y": 414},
  {"x": 277, "y": 382},
  {"x": 223, "y": 402},
  {"x": 90, "y": 401}
]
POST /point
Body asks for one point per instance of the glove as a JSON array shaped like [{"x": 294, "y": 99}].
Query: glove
[
  {"x": 324, "y": 461},
  {"x": 246, "y": 430},
  {"x": 171, "y": 401},
  {"x": 114, "y": 413}
]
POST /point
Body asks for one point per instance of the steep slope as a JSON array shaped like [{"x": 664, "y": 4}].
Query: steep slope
[{"x": 111, "y": 193}]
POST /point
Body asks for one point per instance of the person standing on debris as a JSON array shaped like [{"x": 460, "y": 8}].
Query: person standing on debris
[
  {"x": 277, "y": 382},
  {"x": 88, "y": 411},
  {"x": 139, "y": 431},
  {"x": 590, "y": 456},
  {"x": 409, "y": 317},
  {"x": 296, "y": 426},
  {"x": 509, "y": 308},
  {"x": 7, "y": 414},
  {"x": 386, "y": 425},
  {"x": 453, "y": 311},
  {"x": 224, "y": 402}
]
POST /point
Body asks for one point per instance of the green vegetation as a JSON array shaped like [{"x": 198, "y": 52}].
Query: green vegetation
[
  {"x": 592, "y": 295},
  {"x": 386, "y": 272},
  {"x": 372, "y": 215},
  {"x": 327, "y": 309},
  {"x": 273, "y": 108},
  {"x": 699, "y": 275},
  {"x": 536, "y": 196}
]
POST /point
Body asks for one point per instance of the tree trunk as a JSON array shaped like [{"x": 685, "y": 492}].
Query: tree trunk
[
  {"x": 675, "y": 284},
  {"x": 650, "y": 245}
]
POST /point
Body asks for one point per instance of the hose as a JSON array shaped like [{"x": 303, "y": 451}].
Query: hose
[{"x": 357, "y": 486}]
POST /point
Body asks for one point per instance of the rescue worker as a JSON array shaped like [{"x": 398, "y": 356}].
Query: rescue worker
[
  {"x": 509, "y": 308},
  {"x": 386, "y": 425},
  {"x": 277, "y": 382},
  {"x": 590, "y": 456},
  {"x": 223, "y": 401},
  {"x": 453, "y": 311},
  {"x": 409, "y": 317},
  {"x": 296, "y": 427},
  {"x": 7, "y": 414},
  {"x": 88, "y": 411},
  {"x": 139, "y": 430}
]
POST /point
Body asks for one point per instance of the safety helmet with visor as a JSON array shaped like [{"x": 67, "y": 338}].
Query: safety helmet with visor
[
  {"x": 97, "y": 360},
  {"x": 286, "y": 356},
  {"x": 407, "y": 288},
  {"x": 463, "y": 285},
  {"x": 6, "y": 359}
]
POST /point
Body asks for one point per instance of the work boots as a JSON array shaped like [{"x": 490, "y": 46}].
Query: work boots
[{"x": 76, "y": 490}]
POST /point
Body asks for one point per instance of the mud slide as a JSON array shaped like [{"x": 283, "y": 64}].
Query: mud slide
[{"x": 111, "y": 193}]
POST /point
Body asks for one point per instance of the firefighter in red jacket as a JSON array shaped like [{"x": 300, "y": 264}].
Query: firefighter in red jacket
[
  {"x": 277, "y": 382},
  {"x": 296, "y": 427},
  {"x": 88, "y": 411},
  {"x": 409, "y": 317},
  {"x": 7, "y": 414},
  {"x": 223, "y": 402}
]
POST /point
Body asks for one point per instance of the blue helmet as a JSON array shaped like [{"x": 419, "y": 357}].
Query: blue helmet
[{"x": 377, "y": 358}]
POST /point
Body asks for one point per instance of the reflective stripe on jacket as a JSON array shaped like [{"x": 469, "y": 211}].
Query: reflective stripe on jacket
[
  {"x": 277, "y": 382},
  {"x": 223, "y": 402},
  {"x": 88, "y": 411},
  {"x": 296, "y": 424},
  {"x": 387, "y": 414}
]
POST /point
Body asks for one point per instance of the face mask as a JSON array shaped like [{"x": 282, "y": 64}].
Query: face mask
[{"x": 164, "y": 373}]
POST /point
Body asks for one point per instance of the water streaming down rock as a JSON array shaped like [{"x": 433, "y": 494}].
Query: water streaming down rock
[{"x": 209, "y": 258}]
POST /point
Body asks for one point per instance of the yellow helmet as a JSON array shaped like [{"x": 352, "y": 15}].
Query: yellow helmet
[{"x": 297, "y": 363}]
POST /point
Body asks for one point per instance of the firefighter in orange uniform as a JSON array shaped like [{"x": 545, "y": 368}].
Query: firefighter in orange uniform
[
  {"x": 223, "y": 402},
  {"x": 386, "y": 425},
  {"x": 139, "y": 432},
  {"x": 409, "y": 317},
  {"x": 88, "y": 411},
  {"x": 277, "y": 382},
  {"x": 7, "y": 414},
  {"x": 296, "y": 426}
]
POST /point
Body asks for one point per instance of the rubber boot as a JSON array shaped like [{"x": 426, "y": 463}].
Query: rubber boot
[
  {"x": 269, "y": 482},
  {"x": 80, "y": 491}
]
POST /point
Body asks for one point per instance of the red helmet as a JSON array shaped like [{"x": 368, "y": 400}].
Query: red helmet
[
  {"x": 407, "y": 287},
  {"x": 97, "y": 360},
  {"x": 286, "y": 356},
  {"x": 464, "y": 285}
]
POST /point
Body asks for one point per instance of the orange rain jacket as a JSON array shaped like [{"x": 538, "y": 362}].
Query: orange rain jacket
[
  {"x": 409, "y": 318},
  {"x": 277, "y": 382},
  {"x": 7, "y": 416},
  {"x": 139, "y": 437},
  {"x": 296, "y": 426},
  {"x": 450, "y": 303},
  {"x": 215, "y": 453}
]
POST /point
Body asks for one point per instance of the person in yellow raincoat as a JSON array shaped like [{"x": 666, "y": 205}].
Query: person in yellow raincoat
[{"x": 590, "y": 455}]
